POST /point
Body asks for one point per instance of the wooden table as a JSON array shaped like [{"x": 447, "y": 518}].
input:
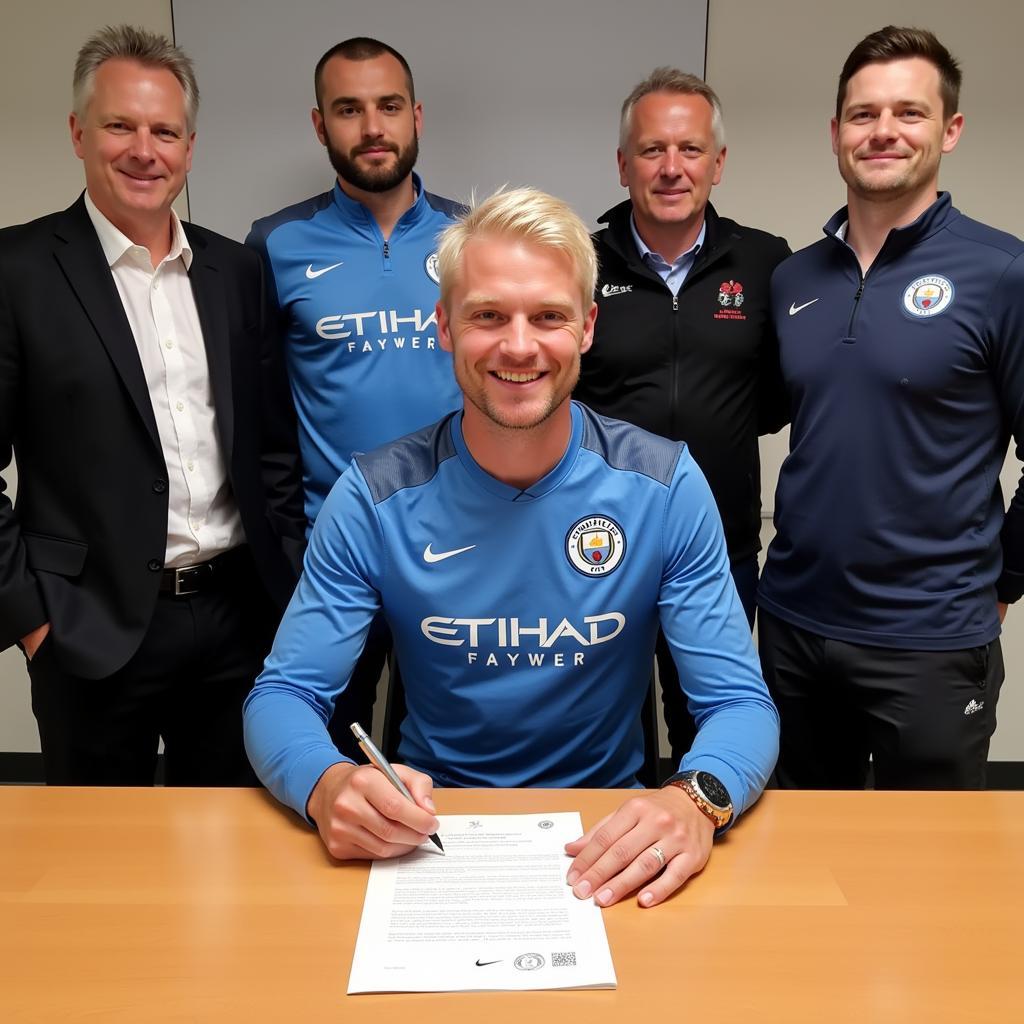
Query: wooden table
[{"x": 217, "y": 905}]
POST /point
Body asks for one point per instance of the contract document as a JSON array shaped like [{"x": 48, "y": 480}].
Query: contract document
[{"x": 493, "y": 913}]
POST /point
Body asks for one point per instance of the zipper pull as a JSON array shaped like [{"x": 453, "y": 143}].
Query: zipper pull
[
  {"x": 675, "y": 303},
  {"x": 387, "y": 251}
]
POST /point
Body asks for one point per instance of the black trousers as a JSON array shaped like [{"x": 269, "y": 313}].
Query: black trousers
[
  {"x": 924, "y": 717},
  {"x": 185, "y": 684},
  {"x": 355, "y": 703},
  {"x": 679, "y": 723}
]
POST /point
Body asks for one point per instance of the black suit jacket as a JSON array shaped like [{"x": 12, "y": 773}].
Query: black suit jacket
[{"x": 84, "y": 546}]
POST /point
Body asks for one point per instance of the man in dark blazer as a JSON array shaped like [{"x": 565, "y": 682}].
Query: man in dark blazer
[{"x": 159, "y": 526}]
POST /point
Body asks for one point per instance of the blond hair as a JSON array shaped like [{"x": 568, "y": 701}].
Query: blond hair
[{"x": 522, "y": 213}]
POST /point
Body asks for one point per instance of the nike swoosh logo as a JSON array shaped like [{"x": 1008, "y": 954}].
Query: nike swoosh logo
[
  {"x": 487, "y": 963},
  {"x": 314, "y": 274},
  {"x": 794, "y": 308},
  {"x": 439, "y": 556}
]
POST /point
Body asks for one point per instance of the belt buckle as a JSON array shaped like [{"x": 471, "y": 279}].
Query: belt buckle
[{"x": 180, "y": 578}]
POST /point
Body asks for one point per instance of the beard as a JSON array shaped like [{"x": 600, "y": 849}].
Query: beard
[
  {"x": 890, "y": 187},
  {"x": 512, "y": 416},
  {"x": 374, "y": 179},
  {"x": 905, "y": 180}
]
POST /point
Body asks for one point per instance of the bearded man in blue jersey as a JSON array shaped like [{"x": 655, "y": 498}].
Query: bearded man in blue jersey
[
  {"x": 353, "y": 273},
  {"x": 524, "y": 552}
]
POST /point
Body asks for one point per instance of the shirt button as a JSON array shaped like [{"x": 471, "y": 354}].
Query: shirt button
[
  {"x": 159, "y": 486},
  {"x": 191, "y": 465},
  {"x": 154, "y": 565},
  {"x": 179, "y": 406},
  {"x": 168, "y": 343}
]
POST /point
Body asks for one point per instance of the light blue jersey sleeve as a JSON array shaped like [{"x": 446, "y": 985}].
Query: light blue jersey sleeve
[
  {"x": 708, "y": 634},
  {"x": 510, "y": 681},
  {"x": 316, "y": 648}
]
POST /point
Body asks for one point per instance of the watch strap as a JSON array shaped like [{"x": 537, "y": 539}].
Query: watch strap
[{"x": 719, "y": 816}]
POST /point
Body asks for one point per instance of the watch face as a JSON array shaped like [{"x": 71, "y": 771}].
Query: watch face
[{"x": 713, "y": 789}]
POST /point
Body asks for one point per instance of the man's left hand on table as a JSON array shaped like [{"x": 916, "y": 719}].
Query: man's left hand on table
[{"x": 617, "y": 856}]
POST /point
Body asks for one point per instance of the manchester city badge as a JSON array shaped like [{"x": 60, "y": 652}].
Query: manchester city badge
[
  {"x": 595, "y": 545},
  {"x": 927, "y": 296},
  {"x": 430, "y": 266}
]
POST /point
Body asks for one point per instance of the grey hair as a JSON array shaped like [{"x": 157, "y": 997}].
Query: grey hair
[
  {"x": 666, "y": 79},
  {"x": 127, "y": 42}
]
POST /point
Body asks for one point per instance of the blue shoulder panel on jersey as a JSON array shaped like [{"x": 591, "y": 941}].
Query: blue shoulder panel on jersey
[
  {"x": 627, "y": 447},
  {"x": 446, "y": 206},
  {"x": 408, "y": 462},
  {"x": 306, "y": 210}
]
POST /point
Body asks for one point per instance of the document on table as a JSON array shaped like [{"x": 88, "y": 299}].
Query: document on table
[{"x": 493, "y": 913}]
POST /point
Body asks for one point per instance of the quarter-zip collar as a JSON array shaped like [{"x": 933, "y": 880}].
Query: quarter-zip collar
[
  {"x": 355, "y": 212},
  {"x": 900, "y": 240}
]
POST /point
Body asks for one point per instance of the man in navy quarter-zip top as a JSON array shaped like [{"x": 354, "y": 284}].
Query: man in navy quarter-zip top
[{"x": 901, "y": 336}]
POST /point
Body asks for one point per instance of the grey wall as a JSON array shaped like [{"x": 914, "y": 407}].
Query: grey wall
[
  {"x": 774, "y": 65},
  {"x": 525, "y": 92}
]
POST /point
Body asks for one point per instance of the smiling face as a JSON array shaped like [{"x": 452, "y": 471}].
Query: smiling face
[
  {"x": 892, "y": 132},
  {"x": 368, "y": 122},
  {"x": 669, "y": 164},
  {"x": 134, "y": 142},
  {"x": 516, "y": 327}
]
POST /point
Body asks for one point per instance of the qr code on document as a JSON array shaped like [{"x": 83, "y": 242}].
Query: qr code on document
[{"x": 563, "y": 959}]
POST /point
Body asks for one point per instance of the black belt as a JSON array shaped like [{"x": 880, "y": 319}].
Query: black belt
[{"x": 187, "y": 580}]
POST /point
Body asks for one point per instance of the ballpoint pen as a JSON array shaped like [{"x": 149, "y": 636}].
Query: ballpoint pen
[{"x": 379, "y": 761}]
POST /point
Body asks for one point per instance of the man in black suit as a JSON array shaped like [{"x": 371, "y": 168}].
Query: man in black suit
[{"x": 158, "y": 526}]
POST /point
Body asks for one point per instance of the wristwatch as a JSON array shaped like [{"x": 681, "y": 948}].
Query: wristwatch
[{"x": 707, "y": 793}]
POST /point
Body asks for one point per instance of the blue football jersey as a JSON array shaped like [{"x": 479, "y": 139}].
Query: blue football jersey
[
  {"x": 524, "y": 620},
  {"x": 357, "y": 318}
]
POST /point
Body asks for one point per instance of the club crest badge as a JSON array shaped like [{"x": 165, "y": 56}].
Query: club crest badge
[
  {"x": 730, "y": 293},
  {"x": 927, "y": 296},
  {"x": 430, "y": 266},
  {"x": 595, "y": 545},
  {"x": 730, "y": 299}
]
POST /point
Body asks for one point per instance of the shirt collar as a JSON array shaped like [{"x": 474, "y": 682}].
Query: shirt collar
[
  {"x": 938, "y": 214},
  {"x": 352, "y": 206},
  {"x": 115, "y": 243},
  {"x": 544, "y": 485},
  {"x": 646, "y": 252}
]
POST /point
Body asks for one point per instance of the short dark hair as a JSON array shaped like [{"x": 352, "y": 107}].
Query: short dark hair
[
  {"x": 359, "y": 48},
  {"x": 893, "y": 43}
]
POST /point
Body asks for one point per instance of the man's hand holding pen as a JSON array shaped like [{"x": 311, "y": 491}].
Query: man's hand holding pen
[{"x": 361, "y": 816}]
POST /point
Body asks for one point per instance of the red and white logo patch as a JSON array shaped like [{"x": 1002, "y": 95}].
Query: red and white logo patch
[{"x": 730, "y": 299}]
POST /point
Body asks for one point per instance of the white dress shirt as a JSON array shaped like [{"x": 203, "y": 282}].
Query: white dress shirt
[{"x": 202, "y": 517}]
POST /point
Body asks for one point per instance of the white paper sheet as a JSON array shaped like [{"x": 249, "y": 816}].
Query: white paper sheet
[{"x": 493, "y": 913}]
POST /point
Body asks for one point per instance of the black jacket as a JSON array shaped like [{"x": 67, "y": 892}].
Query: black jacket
[
  {"x": 700, "y": 367},
  {"x": 84, "y": 547}
]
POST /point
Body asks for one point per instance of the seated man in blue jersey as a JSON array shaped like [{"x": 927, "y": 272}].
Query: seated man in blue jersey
[{"x": 524, "y": 552}]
